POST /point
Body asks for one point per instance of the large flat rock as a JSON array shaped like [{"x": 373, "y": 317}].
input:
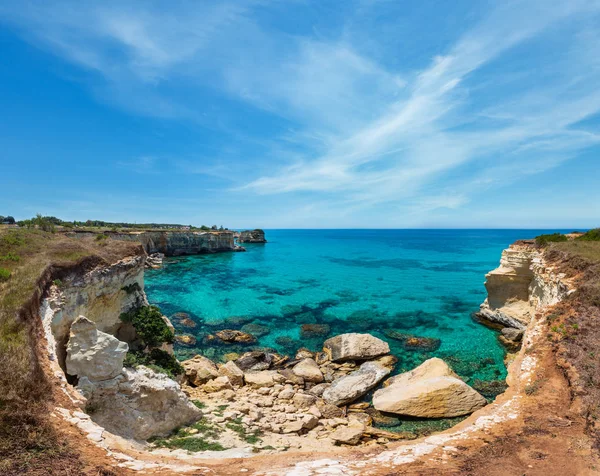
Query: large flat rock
[
  {"x": 355, "y": 346},
  {"x": 431, "y": 390},
  {"x": 354, "y": 385}
]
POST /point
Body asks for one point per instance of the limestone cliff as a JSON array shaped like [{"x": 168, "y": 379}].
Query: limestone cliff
[
  {"x": 252, "y": 236},
  {"x": 100, "y": 294},
  {"x": 177, "y": 243},
  {"x": 521, "y": 284}
]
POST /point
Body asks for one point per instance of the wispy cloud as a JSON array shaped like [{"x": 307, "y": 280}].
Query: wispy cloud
[{"x": 352, "y": 131}]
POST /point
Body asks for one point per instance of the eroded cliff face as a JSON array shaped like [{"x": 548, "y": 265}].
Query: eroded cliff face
[
  {"x": 252, "y": 236},
  {"x": 177, "y": 243},
  {"x": 101, "y": 294},
  {"x": 522, "y": 284}
]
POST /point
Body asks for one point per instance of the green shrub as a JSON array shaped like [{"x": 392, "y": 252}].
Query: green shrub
[
  {"x": 10, "y": 257},
  {"x": 131, "y": 288},
  {"x": 592, "y": 235},
  {"x": 149, "y": 325},
  {"x": 4, "y": 274},
  {"x": 543, "y": 240},
  {"x": 101, "y": 237},
  {"x": 157, "y": 360},
  {"x": 190, "y": 443}
]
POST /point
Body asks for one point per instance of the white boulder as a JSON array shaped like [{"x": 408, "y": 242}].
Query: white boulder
[{"x": 92, "y": 353}]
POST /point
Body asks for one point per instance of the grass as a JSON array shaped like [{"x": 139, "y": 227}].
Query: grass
[
  {"x": 544, "y": 240},
  {"x": 190, "y": 443},
  {"x": 27, "y": 439},
  {"x": 249, "y": 437},
  {"x": 575, "y": 323},
  {"x": 193, "y": 438}
]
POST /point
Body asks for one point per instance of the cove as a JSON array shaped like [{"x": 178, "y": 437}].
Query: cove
[{"x": 304, "y": 286}]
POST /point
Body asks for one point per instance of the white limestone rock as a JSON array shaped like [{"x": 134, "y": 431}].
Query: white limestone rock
[
  {"x": 431, "y": 390},
  {"x": 138, "y": 403},
  {"x": 355, "y": 346},
  {"x": 308, "y": 370},
  {"x": 92, "y": 353},
  {"x": 354, "y": 385}
]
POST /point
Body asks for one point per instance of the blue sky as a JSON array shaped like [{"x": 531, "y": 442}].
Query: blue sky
[{"x": 297, "y": 114}]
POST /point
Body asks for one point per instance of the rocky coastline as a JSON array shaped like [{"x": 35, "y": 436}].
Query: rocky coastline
[{"x": 260, "y": 402}]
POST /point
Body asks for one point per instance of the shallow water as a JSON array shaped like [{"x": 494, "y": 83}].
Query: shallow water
[{"x": 421, "y": 282}]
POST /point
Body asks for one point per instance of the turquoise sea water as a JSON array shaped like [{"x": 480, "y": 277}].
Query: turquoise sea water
[{"x": 421, "y": 282}]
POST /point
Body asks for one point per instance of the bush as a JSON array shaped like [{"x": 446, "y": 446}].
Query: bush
[
  {"x": 543, "y": 240},
  {"x": 101, "y": 237},
  {"x": 149, "y": 325},
  {"x": 157, "y": 360},
  {"x": 592, "y": 235},
  {"x": 4, "y": 274}
]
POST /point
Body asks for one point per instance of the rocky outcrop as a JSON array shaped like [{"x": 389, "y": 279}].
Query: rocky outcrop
[
  {"x": 432, "y": 390},
  {"x": 138, "y": 404},
  {"x": 101, "y": 294},
  {"x": 354, "y": 385},
  {"x": 199, "y": 370},
  {"x": 252, "y": 236},
  {"x": 355, "y": 347},
  {"x": 521, "y": 284},
  {"x": 177, "y": 243},
  {"x": 508, "y": 288},
  {"x": 92, "y": 353}
]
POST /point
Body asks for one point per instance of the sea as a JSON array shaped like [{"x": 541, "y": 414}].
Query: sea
[{"x": 304, "y": 286}]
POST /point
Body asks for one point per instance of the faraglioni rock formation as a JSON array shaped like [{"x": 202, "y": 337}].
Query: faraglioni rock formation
[
  {"x": 252, "y": 236},
  {"x": 432, "y": 390}
]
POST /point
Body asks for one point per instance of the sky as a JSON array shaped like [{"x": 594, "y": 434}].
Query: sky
[{"x": 302, "y": 114}]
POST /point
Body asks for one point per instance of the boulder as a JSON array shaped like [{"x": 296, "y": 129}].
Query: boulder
[
  {"x": 434, "y": 367},
  {"x": 262, "y": 378},
  {"x": 318, "y": 390},
  {"x": 355, "y": 347},
  {"x": 348, "y": 435},
  {"x": 303, "y": 400},
  {"x": 92, "y": 353},
  {"x": 233, "y": 372},
  {"x": 199, "y": 370},
  {"x": 354, "y": 385},
  {"x": 308, "y": 331},
  {"x": 431, "y": 390},
  {"x": 291, "y": 377},
  {"x": 257, "y": 330},
  {"x": 411, "y": 342},
  {"x": 217, "y": 385},
  {"x": 185, "y": 340},
  {"x": 255, "y": 360},
  {"x": 138, "y": 404},
  {"x": 308, "y": 370},
  {"x": 231, "y": 336},
  {"x": 328, "y": 410},
  {"x": 515, "y": 335}
]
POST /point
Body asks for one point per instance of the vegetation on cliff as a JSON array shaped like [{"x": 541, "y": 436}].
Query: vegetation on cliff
[
  {"x": 50, "y": 223},
  {"x": 34, "y": 258},
  {"x": 152, "y": 329},
  {"x": 575, "y": 323}
]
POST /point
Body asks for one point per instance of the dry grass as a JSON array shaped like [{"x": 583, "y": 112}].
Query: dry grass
[
  {"x": 577, "y": 326},
  {"x": 36, "y": 258}
]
